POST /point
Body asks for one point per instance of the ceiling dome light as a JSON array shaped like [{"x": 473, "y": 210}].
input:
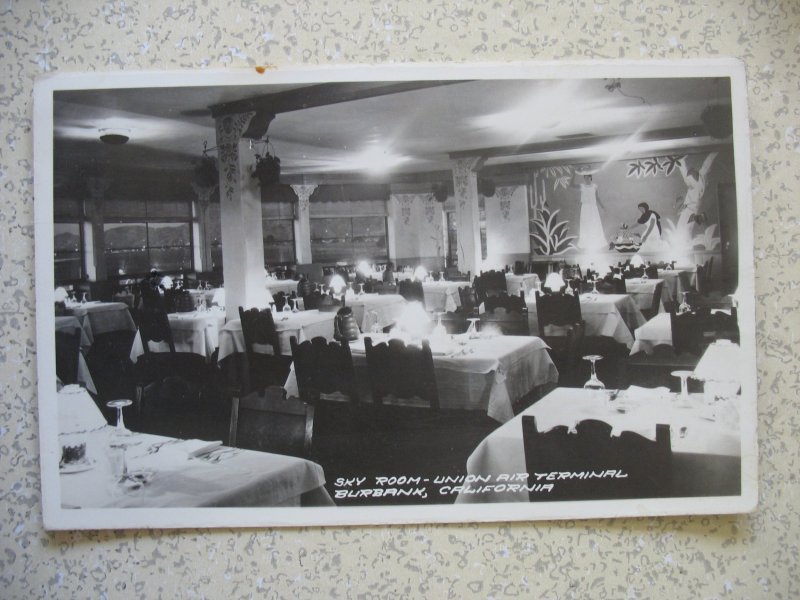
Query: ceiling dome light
[{"x": 114, "y": 137}]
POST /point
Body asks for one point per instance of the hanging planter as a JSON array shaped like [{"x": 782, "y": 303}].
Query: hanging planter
[
  {"x": 267, "y": 170},
  {"x": 206, "y": 174},
  {"x": 439, "y": 191},
  {"x": 486, "y": 187}
]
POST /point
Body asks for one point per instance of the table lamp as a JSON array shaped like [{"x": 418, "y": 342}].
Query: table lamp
[
  {"x": 717, "y": 368},
  {"x": 554, "y": 282},
  {"x": 420, "y": 273}
]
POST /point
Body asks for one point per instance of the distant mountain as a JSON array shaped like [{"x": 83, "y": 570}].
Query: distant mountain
[{"x": 64, "y": 242}]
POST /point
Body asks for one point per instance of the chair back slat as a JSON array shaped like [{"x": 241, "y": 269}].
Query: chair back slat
[
  {"x": 405, "y": 372},
  {"x": 505, "y": 321},
  {"x": 557, "y": 309},
  {"x": 642, "y": 468},
  {"x": 323, "y": 367},
  {"x": 268, "y": 422}
]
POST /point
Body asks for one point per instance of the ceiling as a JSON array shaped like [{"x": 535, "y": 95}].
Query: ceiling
[{"x": 367, "y": 130}]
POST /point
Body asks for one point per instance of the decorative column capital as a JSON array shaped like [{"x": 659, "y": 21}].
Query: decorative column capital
[{"x": 303, "y": 195}]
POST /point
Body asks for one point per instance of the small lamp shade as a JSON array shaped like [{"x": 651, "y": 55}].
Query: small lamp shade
[
  {"x": 420, "y": 273},
  {"x": 166, "y": 282},
  {"x": 337, "y": 284},
  {"x": 364, "y": 268},
  {"x": 414, "y": 320},
  {"x": 61, "y": 294},
  {"x": 554, "y": 281},
  {"x": 637, "y": 261}
]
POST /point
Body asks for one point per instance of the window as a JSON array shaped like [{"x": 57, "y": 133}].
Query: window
[
  {"x": 348, "y": 239},
  {"x": 135, "y": 248},
  {"x": 277, "y": 222},
  {"x": 68, "y": 251}
]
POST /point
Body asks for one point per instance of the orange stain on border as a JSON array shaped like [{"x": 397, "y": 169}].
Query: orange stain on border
[{"x": 261, "y": 69}]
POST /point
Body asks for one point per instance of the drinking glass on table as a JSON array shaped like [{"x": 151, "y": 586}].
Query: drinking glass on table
[
  {"x": 593, "y": 383},
  {"x": 685, "y": 400}
]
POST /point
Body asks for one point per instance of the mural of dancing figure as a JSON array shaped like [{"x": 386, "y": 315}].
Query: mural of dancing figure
[
  {"x": 689, "y": 209},
  {"x": 590, "y": 233}
]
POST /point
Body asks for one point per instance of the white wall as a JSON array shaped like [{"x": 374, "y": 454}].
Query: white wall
[{"x": 507, "y": 230}]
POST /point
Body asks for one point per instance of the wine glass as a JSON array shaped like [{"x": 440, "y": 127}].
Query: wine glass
[
  {"x": 118, "y": 405},
  {"x": 685, "y": 399},
  {"x": 83, "y": 298},
  {"x": 684, "y": 305},
  {"x": 360, "y": 289},
  {"x": 593, "y": 383},
  {"x": 594, "y": 291},
  {"x": 472, "y": 330},
  {"x": 439, "y": 331}
]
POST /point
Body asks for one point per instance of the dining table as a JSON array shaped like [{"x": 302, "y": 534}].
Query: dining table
[
  {"x": 609, "y": 315},
  {"x": 487, "y": 372},
  {"x": 172, "y": 473},
  {"x": 303, "y": 325},
  {"x": 71, "y": 323},
  {"x": 381, "y": 310},
  {"x": 699, "y": 432},
  {"x": 657, "y": 332},
  {"x": 642, "y": 290},
  {"x": 196, "y": 332},
  {"x": 98, "y": 317},
  {"x": 442, "y": 296},
  {"x": 522, "y": 282}
]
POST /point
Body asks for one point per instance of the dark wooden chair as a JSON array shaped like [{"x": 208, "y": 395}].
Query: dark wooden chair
[
  {"x": 655, "y": 303},
  {"x": 323, "y": 368},
  {"x": 379, "y": 287},
  {"x": 562, "y": 328},
  {"x": 279, "y": 299},
  {"x": 68, "y": 351},
  {"x": 692, "y": 333},
  {"x": 455, "y": 322},
  {"x": 703, "y": 277},
  {"x": 411, "y": 291},
  {"x": 510, "y": 303},
  {"x": 468, "y": 298},
  {"x": 178, "y": 375},
  {"x": 328, "y": 303},
  {"x": 607, "y": 285},
  {"x": 651, "y": 271},
  {"x": 176, "y": 301},
  {"x": 507, "y": 322},
  {"x": 266, "y": 421},
  {"x": 642, "y": 468},
  {"x": 263, "y": 364},
  {"x": 490, "y": 283},
  {"x": 311, "y": 300},
  {"x": 404, "y": 372}
]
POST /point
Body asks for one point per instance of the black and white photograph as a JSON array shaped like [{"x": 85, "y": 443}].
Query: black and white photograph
[{"x": 367, "y": 295}]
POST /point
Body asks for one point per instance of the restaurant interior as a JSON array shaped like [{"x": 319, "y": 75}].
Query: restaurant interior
[{"x": 439, "y": 281}]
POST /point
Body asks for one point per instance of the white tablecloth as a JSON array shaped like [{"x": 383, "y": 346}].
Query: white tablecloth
[
  {"x": 526, "y": 281},
  {"x": 239, "y": 478},
  {"x": 692, "y": 430},
  {"x": 386, "y": 307},
  {"x": 486, "y": 374},
  {"x": 195, "y": 332},
  {"x": 642, "y": 290},
  {"x": 103, "y": 317},
  {"x": 304, "y": 325},
  {"x": 656, "y": 332},
  {"x": 71, "y": 324},
  {"x": 442, "y": 295},
  {"x": 678, "y": 281},
  {"x": 610, "y": 315},
  {"x": 287, "y": 286}
]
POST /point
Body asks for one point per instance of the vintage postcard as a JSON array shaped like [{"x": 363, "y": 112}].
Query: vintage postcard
[{"x": 377, "y": 295}]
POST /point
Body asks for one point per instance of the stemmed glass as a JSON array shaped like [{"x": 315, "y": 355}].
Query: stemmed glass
[
  {"x": 685, "y": 399},
  {"x": 360, "y": 289},
  {"x": 594, "y": 291},
  {"x": 83, "y": 298},
  {"x": 684, "y": 306},
  {"x": 120, "y": 430},
  {"x": 569, "y": 287},
  {"x": 472, "y": 330},
  {"x": 439, "y": 331},
  {"x": 593, "y": 383},
  {"x": 294, "y": 304}
]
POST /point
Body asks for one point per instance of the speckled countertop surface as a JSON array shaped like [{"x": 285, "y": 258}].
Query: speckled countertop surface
[{"x": 748, "y": 556}]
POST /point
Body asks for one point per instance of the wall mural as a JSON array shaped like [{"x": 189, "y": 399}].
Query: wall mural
[{"x": 656, "y": 205}]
